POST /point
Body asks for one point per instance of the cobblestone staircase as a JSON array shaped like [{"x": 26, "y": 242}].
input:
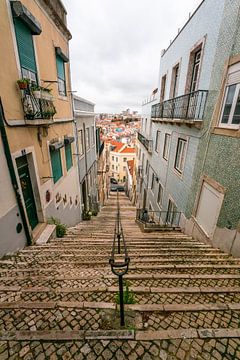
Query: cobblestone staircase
[{"x": 58, "y": 301}]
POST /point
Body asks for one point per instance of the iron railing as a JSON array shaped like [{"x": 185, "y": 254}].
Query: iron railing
[
  {"x": 159, "y": 218},
  {"x": 120, "y": 265},
  {"x": 148, "y": 144},
  {"x": 39, "y": 106},
  {"x": 188, "y": 107}
]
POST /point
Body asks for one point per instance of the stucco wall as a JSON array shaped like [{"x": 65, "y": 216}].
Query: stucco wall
[{"x": 205, "y": 22}]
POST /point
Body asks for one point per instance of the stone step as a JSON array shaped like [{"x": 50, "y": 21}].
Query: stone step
[
  {"x": 133, "y": 281},
  {"x": 141, "y": 295},
  {"x": 80, "y": 318}
]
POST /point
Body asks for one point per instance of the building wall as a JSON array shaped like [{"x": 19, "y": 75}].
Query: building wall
[
  {"x": 217, "y": 153},
  {"x": 203, "y": 25},
  {"x": 34, "y": 140},
  {"x": 10, "y": 239},
  {"x": 119, "y": 165}
]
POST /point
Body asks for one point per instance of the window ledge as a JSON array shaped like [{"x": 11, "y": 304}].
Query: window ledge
[
  {"x": 226, "y": 131},
  {"x": 64, "y": 98}
]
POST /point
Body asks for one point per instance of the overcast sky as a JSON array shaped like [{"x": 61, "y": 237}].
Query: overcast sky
[{"x": 116, "y": 46}]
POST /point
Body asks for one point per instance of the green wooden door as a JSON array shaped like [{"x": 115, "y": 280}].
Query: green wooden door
[{"x": 27, "y": 190}]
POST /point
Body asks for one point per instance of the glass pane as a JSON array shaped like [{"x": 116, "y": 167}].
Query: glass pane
[
  {"x": 228, "y": 104},
  {"x": 236, "y": 115}
]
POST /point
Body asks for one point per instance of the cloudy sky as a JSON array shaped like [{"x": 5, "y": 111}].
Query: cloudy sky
[{"x": 116, "y": 46}]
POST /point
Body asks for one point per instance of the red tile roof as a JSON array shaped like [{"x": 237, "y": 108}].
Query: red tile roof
[{"x": 127, "y": 150}]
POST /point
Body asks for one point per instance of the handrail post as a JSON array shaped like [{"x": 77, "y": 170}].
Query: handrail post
[{"x": 122, "y": 321}]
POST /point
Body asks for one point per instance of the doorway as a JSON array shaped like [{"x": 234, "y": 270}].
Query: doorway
[{"x": 27, "y": 190}]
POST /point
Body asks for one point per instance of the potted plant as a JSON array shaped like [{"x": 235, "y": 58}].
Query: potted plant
[
  {"x": 46, "y": 93},
  {"x": 36, "y": 90},
  {"x": 86, "y": 215},
  {"x": 23, "y": 83}
]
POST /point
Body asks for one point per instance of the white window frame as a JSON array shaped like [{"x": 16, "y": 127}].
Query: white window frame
[
  {"x": 166, "y": 152},
  {"x": 157, "y": 141},
  {"x": 88, "y": 138},
  {"x": 161, "y": 197},
  {"x": 232, "y": 79},
  {"x": 80, "y": 142},
  {"x": 182, "y": 156}
]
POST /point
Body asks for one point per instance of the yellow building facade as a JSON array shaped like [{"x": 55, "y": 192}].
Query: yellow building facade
[{"x": 39, "y": 118}]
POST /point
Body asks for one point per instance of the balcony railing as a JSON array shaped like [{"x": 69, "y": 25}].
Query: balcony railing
[
  {"x": 188, "y": 107},
  {"x": 158, "y": 218},
  {"x": 148, "y": 144},
  {"x": 37, "y": 104}
]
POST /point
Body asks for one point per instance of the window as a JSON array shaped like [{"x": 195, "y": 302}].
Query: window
[
  {"x": 160, "y": 194},
  {"x": 147, "y": 167},
  {"x": 166, "y": 146},
  {"x": 139, "y": 154},
  {"x": 152, "y": 183},
  {"x": 195, "y": 70},
  {"x": 157, "y": 143},
  {"x": 25, "y": 50},
  {"x": 116, "y": 159},
  {"x": 80, "y": 142},
  {"x": 93, "y": 135},
  {"x": 230, "y": 116},
  {"x": 124, "y": 159},
  {"x": 112, "y": 158},
  {"x": 163, "y": 87},
  {"x": 180, "y": 155},
  {"x": 56, "y": 165},
  {"x": 171, "y": 212},
  {"x": 124, "y": 168},
  {"x": 112, "y": 167},
  {"x": 68, "y": 156},
  {"x": 87, "y": 138},
  {"x": 174, "y": 81},
  {"x": 61, "y": 76}
]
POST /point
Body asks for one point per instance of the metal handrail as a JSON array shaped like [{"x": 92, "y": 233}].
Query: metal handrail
[{"x": 119, "y": 268}]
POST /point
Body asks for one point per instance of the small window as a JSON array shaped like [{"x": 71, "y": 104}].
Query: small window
[
  {"x": 152, "y": 183},
  {"x": 147, "y": 167},
  {"x": 174, "y": 81},
  {"x": 160, "y": 194},
  {"x": 61, "y": 76},
  {"x": 25, "y": 50},
  {"x": 116, "y": 159},
  {"x": 230, "y": 115},
  {"x": 93, "y": 135},
  {"x": 112, "y": 158},
  {"x": 87, "y": 138},
  {"x": 163, "y": 87},
  {"x": 157, "y": 142},
  {"x": 195, "y": 70},
  {"x": 80, "y": 142},
  {"x": 68, "y": 156},
  {"x": 124, "y": 168},
  {"x": 124, "y": 159},
  {"x": 180, "y": 155},
  {"x": 56, "y": 165},
  {"x": 112, "y": 167},
  {"x": 166, "y": 146}
]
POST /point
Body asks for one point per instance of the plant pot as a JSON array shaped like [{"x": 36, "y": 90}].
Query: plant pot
[
  {"x": 22, "y": 86},
  {"x": 37, "y": 94}
]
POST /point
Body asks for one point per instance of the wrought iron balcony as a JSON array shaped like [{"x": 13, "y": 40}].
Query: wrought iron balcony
[
  {"x": 189, "y": 107},
  {"x": 37, "y": 105},
  {"x": 160, "y": 219},
  {"x": 148, "y": 144}
]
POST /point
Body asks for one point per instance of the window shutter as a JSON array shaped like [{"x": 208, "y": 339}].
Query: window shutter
[
  {"x": 25, "y": 45},
  {"x": 56, "y": 165},
  {"x": 68, "y": 156},
  {"x": 234, "y": 74},
  {"x": 60, "y": 67}
]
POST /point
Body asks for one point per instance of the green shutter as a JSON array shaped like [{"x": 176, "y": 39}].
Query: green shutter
[
  {"x": 56, "y": 165},
  {"x": 60, "y": 67},
  {"x": 25, "y": 45},
  {"x": 68, "y": 156}
]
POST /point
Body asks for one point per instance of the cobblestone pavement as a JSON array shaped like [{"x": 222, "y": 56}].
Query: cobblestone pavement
[{"x": 58, "y": 301}]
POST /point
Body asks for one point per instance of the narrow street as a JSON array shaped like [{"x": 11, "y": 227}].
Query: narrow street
[{"x": 58, "y": 300}]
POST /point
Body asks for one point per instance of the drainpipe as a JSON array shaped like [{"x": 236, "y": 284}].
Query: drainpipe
[
  {"x": 13, "y": 175},
  {"x": 86, "y": 164}
]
